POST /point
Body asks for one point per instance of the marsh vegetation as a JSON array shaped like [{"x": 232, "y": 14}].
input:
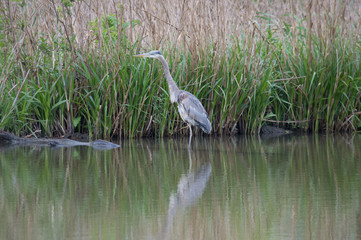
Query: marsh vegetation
[{"x": 67, "y": 66}]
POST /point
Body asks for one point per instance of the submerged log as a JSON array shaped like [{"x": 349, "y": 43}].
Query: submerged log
[{"x": 10, "y": 139}]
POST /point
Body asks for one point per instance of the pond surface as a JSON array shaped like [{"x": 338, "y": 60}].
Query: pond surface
[{"x": 293, "y": 187}]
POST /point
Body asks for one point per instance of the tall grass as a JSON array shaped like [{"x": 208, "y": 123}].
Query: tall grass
[{"x": 67, "y": 66}]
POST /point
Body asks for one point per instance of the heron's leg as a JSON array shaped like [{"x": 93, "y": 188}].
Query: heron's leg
[
  {"x": 190, "y": 136},
  {"x": 190, "y": 160}
]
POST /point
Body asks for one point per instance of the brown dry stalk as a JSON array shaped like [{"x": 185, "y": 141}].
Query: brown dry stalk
[{"x": 185, "y": 24}]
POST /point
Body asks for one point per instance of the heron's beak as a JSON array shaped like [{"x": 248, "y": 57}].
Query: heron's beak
[{"x": 142, "y": 55}]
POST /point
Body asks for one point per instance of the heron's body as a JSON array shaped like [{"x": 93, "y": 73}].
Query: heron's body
[
  {"x": 190, "y": 108},
  {"x": 192, "y": 111}
]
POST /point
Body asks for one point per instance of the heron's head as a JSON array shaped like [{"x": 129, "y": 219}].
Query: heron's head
[{"x": 151, "y": 54}]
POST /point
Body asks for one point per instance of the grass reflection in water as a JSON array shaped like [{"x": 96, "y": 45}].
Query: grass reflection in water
[{"x": 234, "y": 188}]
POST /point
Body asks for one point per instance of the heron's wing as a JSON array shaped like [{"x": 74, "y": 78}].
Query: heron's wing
[
  {"x": 192, "y": 111},
  {"x": 191, "y": 105}
]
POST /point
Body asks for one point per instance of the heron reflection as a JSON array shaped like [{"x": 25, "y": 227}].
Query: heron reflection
[{"x": 190, "y": 188}]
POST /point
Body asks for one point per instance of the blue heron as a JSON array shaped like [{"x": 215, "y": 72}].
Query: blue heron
[{"x": 190, "y": 108}]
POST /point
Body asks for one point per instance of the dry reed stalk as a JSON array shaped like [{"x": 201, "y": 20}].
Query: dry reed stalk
[
  {"x": 186, "y": 24},
  {"x": 309, "y": 30}
]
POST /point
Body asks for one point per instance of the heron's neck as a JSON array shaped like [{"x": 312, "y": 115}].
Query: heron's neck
[{"x": 173, "y": 89}]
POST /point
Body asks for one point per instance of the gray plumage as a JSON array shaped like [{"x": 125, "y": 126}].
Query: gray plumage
[{"x": 190, "y": 108}]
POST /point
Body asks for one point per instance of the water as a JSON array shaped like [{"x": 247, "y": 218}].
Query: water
[{"x": 297, "y": 187}]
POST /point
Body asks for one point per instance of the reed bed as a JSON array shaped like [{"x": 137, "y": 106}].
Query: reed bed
[{"x": 67, "y": 66}]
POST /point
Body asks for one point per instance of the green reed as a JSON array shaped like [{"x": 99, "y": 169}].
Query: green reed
[{"x": 266, "y": 77}]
